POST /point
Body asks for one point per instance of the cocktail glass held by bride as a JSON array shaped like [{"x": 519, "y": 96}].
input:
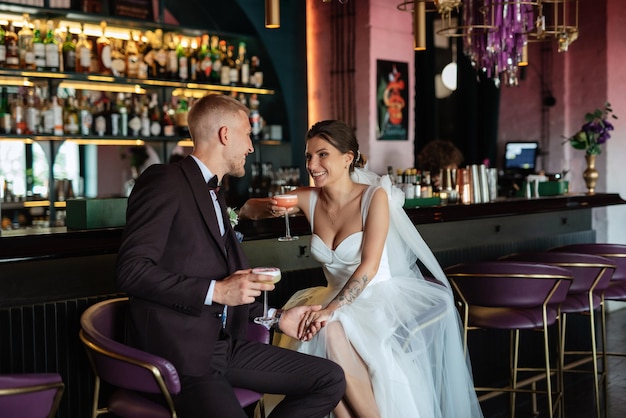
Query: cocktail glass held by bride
[
  {"x": 286, "y": 201},
  {"x": 273, "y": 274}
]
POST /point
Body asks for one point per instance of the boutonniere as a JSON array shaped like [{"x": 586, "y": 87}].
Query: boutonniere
[{"x": 232, "y": 217}]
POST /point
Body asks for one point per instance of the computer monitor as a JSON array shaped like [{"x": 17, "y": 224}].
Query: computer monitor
[{"x": 521, "y": 156}]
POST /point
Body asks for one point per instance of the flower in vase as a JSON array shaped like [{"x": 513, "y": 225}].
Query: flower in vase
[{"x": 595, "y": 131}]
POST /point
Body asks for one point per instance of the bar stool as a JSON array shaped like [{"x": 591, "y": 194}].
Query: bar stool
[
  {"x": 132, "y": 372},
  {"x": 591, "y": 275},
  {"x": 513, "y": 296},
  {"x": 30, "y": 394},
  {"x": 616, "y": 291}
]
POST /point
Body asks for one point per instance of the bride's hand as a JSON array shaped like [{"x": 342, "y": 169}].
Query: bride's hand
[
  {"x": 312, "y": 322},
  {"x": 292, "y": 319}
]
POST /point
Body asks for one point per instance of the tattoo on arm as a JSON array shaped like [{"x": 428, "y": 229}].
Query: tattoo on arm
[{"x": 352, "y": 290}]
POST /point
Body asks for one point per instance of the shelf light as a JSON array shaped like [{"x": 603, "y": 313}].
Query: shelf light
[
  {"x": 42, "y": 204},
  {"x": 250, "y": 90},
  {"x": 107, "y": 141},
  {"x": 95, "y": 30},
  {"x": 16, "y": 81},
  {"x": 116, "y": 88},
  {"x": 185, "y": 143}
]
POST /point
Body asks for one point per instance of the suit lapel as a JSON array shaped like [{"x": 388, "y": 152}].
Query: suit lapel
[{"x": 204, "y": 201}]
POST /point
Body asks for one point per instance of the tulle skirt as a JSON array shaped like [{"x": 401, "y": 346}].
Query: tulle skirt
[{"x": 407, "y": 332}]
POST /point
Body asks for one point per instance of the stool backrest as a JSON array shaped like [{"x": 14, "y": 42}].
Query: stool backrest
[
  {"x": 30, "y": 394},
  {"x": 509, "y": 284},
  {"x": 590, "y": 272},
  {"x": 614, "y": 252},
  {"x": 102, "y": 331}
]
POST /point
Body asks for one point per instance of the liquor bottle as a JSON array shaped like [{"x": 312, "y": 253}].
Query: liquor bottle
[
  {"x": 256, "y": 74},
  {"x": 154, "y": 113},
  {"x": 134, "y": 118},
  {"x": 132, "y": 57},
  {"x": 148, "y": 54},
  {"x": 12, "y": 48},
  {"x": 167, "y": 121},
  {"x": 390, "y": 174},
  {"x": 102, "y": 116},
  {"x": 225, "y": 67},
  {"x": 160, "y": 55},
  {"x": 205, "y": 63},
  {"x": 39, "y": 49},
  {"x": 69, "y": 52},
  {"x": 25, "y": 44},
  {"x": 47, "y": 117},
  {"x": 243, "y": 65},
  {"x": 52, "y": 49},
  {"x": 57, "y": 116},
  {"x": 255, "y": 117},
  {"x": 83, "y": 53},
  {"x": 3, "y": 48},
  {"x": 85, "y": 115},
  {"x": 114, "y": 118},
  {"x": 145, "y": 122},
  {"x": 18, "y": 115},
  {"x": 5, "y": 113},
  {"x": 192, "y": 60},
  {"x": 103, "y": 46},
  {"x": 233, "y": 72},
  {"x": 425, "y": 185},
  {"x": 33, "y": 118},
  {"x": 71, "y": 123},
  {"x": 122, "y": 109},
  {"x": 172, "y": 57},
  {"x": 118, "y": 58},
  {"x": 183, "y": 59},
  {"x": 216, "y": 67}
]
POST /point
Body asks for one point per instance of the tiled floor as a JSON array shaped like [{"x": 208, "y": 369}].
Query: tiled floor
[{"x": 579, "y": 399}]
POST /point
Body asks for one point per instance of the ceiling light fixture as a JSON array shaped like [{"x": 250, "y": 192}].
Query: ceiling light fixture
[{"x": 272, "y": 14}]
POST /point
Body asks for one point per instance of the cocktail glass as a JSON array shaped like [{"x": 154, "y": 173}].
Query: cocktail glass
[
  {"x": 286, "y": 201},
  {"x": 273, "y": 274}
]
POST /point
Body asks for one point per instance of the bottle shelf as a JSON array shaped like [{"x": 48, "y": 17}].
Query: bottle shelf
[
  {"x": 116, "y": 84},
  {"x": 96, "y": 139}
]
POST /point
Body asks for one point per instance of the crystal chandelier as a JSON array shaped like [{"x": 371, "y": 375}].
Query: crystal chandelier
[{"x": 496, "y": 32}]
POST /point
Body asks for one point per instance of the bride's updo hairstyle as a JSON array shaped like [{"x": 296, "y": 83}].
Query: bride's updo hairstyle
[{"x": 341, "y": 136}]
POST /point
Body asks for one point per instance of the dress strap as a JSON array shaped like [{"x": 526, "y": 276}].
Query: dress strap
[
  {"x": 312, "y": 202},
  {"x": 366, "y": 200}
]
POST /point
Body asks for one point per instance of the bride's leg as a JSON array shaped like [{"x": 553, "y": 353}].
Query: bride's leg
[{"x": 359, "y": 399}]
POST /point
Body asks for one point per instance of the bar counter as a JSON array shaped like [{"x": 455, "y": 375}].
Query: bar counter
[
  {"x": 43, "y": 264},
  {"x": 49, "y": 276}
]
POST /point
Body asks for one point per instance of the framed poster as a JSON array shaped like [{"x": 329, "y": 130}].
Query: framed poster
[{"x": 392, "y": 100}]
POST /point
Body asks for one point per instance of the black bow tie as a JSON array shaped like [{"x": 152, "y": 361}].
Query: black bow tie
[{"x": 213, "y": 184}]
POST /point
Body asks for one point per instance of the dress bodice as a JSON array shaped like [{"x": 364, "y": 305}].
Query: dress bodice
[{"x": 340, "y": 263}]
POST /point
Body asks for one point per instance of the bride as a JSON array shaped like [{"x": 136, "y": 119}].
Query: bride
[{"x": 396, "y": 335}]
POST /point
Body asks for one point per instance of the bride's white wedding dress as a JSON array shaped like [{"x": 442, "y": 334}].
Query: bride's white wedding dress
[{"x": 403, "y": 327}]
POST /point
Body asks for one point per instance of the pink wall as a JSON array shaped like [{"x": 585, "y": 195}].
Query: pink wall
[
  {"x": 586, "y": 76},
  {"x": 581, "y": 80}
]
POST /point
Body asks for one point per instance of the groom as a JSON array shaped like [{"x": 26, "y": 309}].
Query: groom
[{"x": 191, "y": 291}]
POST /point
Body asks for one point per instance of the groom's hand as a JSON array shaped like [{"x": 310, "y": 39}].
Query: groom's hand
[
  {"x": 241, "y": 288},
  {"x": 291, "y": 319}
]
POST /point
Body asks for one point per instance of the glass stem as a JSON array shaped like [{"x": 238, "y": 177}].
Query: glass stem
[
  {"x": 287, "y": 225},
  {"x": 265, "y": 304}
]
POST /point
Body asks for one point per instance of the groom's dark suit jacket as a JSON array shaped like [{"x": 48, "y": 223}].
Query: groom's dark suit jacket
[{"x": 170, "y": 252}]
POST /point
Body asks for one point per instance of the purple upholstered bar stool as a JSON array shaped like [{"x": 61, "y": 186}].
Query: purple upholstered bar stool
[
  {"x": 30, "y": 395},
  {"x": 131, "y": 370},
  {"x": 512, "y": 296},
  {"x": 591, "y": 276},
  {"x": 616, "y": 290}
]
